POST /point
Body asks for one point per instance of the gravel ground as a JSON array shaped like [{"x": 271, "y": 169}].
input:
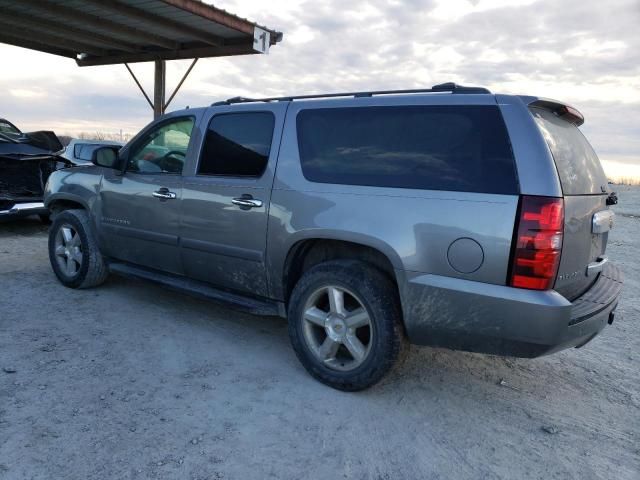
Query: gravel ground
[{"x": 133, "y": 381}]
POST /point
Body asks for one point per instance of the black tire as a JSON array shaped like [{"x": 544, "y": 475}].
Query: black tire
[
  {"x": 378, "y": 296},
  {"x": 92, "y": 270}
]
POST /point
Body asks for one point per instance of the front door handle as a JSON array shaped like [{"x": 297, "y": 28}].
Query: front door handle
[
  {"x": 246, "y": 202},
  {"x": 164, "y": 194}
]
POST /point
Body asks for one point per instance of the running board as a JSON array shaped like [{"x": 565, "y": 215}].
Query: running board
[{"x": 199, "y": 289}]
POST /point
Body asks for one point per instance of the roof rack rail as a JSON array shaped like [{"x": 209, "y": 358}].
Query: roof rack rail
[{"x": 443, "y": 87}]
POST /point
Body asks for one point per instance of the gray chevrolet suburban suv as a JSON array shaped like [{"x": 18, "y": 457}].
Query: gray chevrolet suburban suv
[{"x": 449, "y": 216}]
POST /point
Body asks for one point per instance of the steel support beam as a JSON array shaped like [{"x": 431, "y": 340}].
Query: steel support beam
[
  {"x": 184, "y": 54},
  {"x": 184, "y": 77},
  {"x": 135, "y": 79},
  {"x": 159, "y": 106}
]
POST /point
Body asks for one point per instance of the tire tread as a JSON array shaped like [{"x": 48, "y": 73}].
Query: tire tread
[{"x": 96, "y": 271}]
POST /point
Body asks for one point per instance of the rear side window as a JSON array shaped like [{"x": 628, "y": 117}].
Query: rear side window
[
  {"x": 457, "y": 148},
  {"x": 237, "y": 144},
  {"x": 578, "y": 165}
]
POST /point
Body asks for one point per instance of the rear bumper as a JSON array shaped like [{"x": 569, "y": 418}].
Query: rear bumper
[
  {"x": 24, "y": 209},
  {"x": 495, "y": 319}
]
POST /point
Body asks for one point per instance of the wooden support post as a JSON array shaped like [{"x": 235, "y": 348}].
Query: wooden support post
[{"x": 159, "y": 85}]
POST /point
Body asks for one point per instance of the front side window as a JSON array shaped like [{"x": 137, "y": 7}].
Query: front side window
[
  {"x": 237, "y": 144},
  {"x": 455, "y": 148},
  {"x": 163, "y": 149}
]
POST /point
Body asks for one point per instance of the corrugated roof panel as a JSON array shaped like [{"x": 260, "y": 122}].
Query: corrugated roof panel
[{"x": 157, "y": 29}]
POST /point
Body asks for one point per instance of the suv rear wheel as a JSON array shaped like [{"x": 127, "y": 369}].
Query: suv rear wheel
[
  {"x": 345, "y": 324},
  {"x": 73, "y": 251}
]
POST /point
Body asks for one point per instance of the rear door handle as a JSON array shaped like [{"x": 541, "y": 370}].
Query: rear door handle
[
  {"x": 164, "y": 194},
  {"x": 246, "y": 202},
  {"x": 596, "y": 267}
]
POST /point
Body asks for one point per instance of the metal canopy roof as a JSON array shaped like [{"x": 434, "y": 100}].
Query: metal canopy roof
[{"x": 103, "y": 32}]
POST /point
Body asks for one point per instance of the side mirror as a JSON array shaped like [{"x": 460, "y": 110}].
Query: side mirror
[{"x": 105, "y": 157}]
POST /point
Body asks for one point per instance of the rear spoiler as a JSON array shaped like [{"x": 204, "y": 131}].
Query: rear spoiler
[{"x": 567, "y": 112}]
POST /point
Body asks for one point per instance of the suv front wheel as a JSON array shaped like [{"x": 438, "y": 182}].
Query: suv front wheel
[
  {"x": 73, "y": 251},
  {"x": 345, "y": 324}
]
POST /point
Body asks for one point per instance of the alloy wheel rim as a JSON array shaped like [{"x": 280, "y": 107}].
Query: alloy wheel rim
[
  {"x": 337, "y": 328},
  {"x": 68, "y": 250}
]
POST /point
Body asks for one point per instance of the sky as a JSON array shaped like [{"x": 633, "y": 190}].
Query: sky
[{"x": 584, "y": 52}]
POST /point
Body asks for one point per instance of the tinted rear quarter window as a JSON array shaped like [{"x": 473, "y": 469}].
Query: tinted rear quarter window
[
  {"x": 578, "y": 165},
  {"x": 456, "y": 148},
  {"x": 237, "y": 144}
]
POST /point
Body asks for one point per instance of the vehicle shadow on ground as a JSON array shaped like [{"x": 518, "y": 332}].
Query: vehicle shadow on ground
[
  {"x": 22, "y": 226},
  {"x": 422, "y": 367}
]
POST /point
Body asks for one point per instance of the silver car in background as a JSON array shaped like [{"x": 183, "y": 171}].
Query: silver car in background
[{"x": 80, "y": 151}]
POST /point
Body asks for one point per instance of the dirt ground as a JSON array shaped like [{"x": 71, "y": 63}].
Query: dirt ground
[{"x": 133, "y": 381}]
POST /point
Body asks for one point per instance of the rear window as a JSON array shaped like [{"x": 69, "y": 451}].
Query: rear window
[
  {"x": 578, "y": 166},
  {"x": 457, "y": 148}
]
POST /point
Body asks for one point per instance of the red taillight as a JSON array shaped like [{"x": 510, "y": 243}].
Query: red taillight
[{"x": 538, "y": 243}]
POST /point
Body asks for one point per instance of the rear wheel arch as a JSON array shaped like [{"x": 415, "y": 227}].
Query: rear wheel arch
[{"x": 307, "y": 253}]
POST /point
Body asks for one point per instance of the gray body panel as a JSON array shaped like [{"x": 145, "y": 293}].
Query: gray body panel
[
  {"x": 450, "y": 251},
  {"x": 222, "y": 243},
  {"x": 501, "y": 320},
  {"x": 413, "y": 228},
  {"x": 580, "y": 245},
  {"x": 137, "y": 227},
  {"x": 537, "y": 173}
]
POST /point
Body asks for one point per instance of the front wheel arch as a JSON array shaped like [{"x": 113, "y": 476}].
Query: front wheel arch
[{"x": 58, "y": 205}]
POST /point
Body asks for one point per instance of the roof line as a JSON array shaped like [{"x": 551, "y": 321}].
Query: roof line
[
  {"x": 449, "y": 87},
  {"x": 222, "y": 17}
]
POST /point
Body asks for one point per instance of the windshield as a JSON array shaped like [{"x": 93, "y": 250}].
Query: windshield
[
  {"x": 8, "y": 131},
  {"x": 7, "y": 127}
]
